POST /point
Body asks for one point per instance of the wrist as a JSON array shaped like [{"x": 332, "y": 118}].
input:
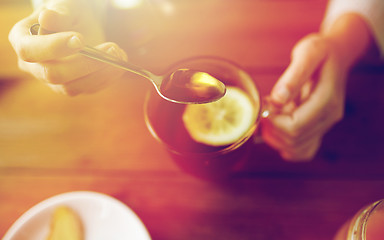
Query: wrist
[{"x": 351, "y": 38}]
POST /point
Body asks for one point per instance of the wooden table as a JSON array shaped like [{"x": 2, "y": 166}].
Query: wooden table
[{"x": 50, "y": 144}]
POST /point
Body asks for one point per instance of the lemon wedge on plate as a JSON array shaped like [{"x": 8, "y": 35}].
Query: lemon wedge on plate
[
  {"x": 66, "y": 225},
  {"x": 222, "y": 122}
]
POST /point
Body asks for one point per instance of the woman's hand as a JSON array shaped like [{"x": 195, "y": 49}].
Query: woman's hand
[
  {"x": 311, "y": 92},
  {"x": 52, "y": 56}
]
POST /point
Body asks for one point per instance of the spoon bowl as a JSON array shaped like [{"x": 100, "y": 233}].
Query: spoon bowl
[
  {"x": 186, "y": 86},
  {"x": 192, "y": 86}
]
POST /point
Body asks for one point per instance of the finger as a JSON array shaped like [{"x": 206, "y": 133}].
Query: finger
[
  {"x": 299, "y": 127},
  {"x": 307, "y": 55},
  {"x": 93, "y": 82},
  {"x": 48, "y": 47},
  {"x": 300, "y": 152},
  {"x": 73, "y": 15},
  {"x": 270, "y": 137},
  {"x": 304, "y": 153},
  {"x": 73, "y": 67},
  {"x": 21, "y": 29},
  {"x": 59, "y": 16},
  {"x": 288, "y": 141}
]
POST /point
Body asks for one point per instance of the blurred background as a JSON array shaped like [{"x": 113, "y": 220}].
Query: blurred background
[
  {"x": 10, "y": 13},
  {"x": 51, "y": 143}
]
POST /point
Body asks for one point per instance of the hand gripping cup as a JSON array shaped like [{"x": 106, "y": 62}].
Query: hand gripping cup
[{"x": 208, "y": 140}]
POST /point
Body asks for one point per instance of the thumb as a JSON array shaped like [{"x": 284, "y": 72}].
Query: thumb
[
  {"x": 307, "y": 56},
  {"x": 59, "y": 16}
]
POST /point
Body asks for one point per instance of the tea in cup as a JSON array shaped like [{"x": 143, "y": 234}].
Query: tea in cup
[{"x": 208, "y": 140}]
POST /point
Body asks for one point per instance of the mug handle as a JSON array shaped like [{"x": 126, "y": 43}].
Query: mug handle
[{"x": 268, "y": 108}]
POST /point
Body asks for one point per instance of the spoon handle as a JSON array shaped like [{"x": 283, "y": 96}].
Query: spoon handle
[{"x": 107, "y": 58}]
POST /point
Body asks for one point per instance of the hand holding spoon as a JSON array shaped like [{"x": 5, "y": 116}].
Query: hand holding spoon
[{"x": 185, "y": 86}]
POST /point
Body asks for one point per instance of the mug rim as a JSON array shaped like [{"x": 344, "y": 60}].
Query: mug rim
[{"x": 358, "y": 227}]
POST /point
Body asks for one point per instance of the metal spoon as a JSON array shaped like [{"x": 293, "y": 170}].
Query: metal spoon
[{"x": 181, "y": 86}]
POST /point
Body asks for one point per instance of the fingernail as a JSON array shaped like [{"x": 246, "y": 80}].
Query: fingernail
[
  {"x": 117, "y": 52},
  {"x": 282, "y": 94},
  {"x": 75, "y": 42}
]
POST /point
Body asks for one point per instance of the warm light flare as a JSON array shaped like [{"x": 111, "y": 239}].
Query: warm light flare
[
  {"x": 166, "y": 6},
  {"x": 125, "y": 4}
]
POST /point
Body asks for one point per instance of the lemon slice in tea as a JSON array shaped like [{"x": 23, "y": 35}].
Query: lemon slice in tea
[{"x": 222, "y": 122}]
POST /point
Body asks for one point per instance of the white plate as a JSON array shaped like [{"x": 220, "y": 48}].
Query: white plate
[{"x": 103, "y": 218}]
